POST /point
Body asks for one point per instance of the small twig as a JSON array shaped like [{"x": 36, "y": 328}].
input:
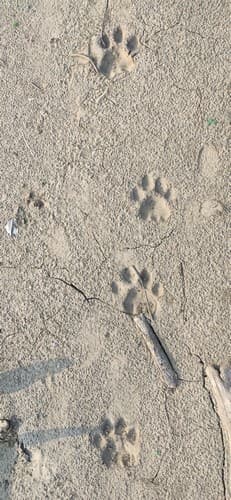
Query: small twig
[
  {"x": 184, "y": 291},
  {"x": 105, "y": 16},
  {"x": 153, "y": 343},
  {"x": 37, "y": 86},
  {"x": 100, "y": 248},
  {"x": 102, "y": 95},
  {"x": 85, "y": 56},
  {"x": 143, "y": 43},
  {"x": 28, "y": 145},
  {"x": 157, "y": 350}
]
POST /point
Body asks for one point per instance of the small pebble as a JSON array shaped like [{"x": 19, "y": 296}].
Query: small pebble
[{"x": 4, "y": 425}]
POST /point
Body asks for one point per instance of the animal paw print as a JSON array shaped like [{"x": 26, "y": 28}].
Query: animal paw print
[
  {"x": 113, "y": 54},
  {"x": 35, "y": 200},
  {"x": 119, "y": 444},
  {"x": 138, "y": 291},
  {"x": 23, "y": 217},
  {"x": 155, "y": 199}
]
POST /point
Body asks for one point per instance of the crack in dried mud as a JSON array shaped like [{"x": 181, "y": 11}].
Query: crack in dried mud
[
  {"x": 148, "y": 245},
  {"x": 90, "y": 298}
]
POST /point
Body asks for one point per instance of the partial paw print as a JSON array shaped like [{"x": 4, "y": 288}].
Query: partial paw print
[
  {"x": 155, "y": 200},
  {"x": 35, "y": 200},
  {"x": 8, "y": 432},
  {"x": 24, "y": 212},
  {"x": 31, "y": 201},
  {"x": 9, "y": 454},
  {"x": 119, "y": 444},
  {"x": 23, "y": 215},
  {"x": 138, "y": 292},
  {"x": 113, "y": 54}
]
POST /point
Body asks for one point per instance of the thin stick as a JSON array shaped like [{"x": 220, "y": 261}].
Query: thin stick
[
  {"x": 101, "y": 96},
  {"x": 28, "y": 145},
  {"x": 157, "y": 350},
  {"x": 84, "y": 56},
  {"x": 37, "y": 86},
  {"x": 153, "y": 343},
  {"x": 105, "y": 16},
  {"x": 219, "y": 378}
]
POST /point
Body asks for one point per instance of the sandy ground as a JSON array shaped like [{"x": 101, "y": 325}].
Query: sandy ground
[{"x": 75, "y": 149}]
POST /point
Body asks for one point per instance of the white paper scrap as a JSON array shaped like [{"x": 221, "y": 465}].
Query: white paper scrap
[{"x": 11, "y": 228}]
